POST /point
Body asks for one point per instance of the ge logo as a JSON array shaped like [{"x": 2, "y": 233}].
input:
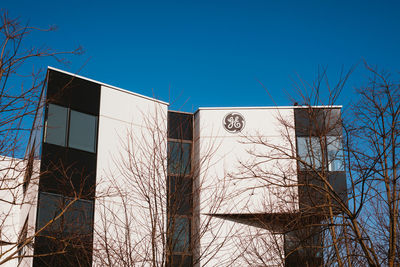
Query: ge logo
[{"x": 233, "y": 122}]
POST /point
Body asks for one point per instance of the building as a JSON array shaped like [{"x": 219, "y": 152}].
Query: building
[
  {"x": 10, "y": 196},
  {"x": 115, "y": 178}
]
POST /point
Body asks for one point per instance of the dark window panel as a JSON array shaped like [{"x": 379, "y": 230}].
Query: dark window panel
[
  {"x": 179, "y": 233},
  {"x": 50, "y": 206},
  {"x": 180, "y": 261},
  {"x": 62, "y": 216},
  {"x": 56, "y": 125},
  {"x": 73, "y": 92},
  {"x": 309, "y": 150},
  {"x": 312, "y": 193},
  {"x": 317, "y": 122},
  {"x": 82, "y": 131},
  {"x": 335, "y": 153},
  {"x": 79, "y": 217},
  {"x": 316, "y": 152},
  {"x": 70, "y": 251},
  {"x": 338, "y": 182},
  {"x": 179, "y": 195},
  {"x": 303, "y": 247},
  {"x": 180, "y": 125},
  {"x": 311, "y": 190},
  {"x": 68, "y": 172},
  {"x": 179, "y": 158}
]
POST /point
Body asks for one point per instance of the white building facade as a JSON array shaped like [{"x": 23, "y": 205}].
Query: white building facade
[{"x": 120, "y": 180}]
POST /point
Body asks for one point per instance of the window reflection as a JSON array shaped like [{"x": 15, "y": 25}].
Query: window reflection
[
  {"x": 56, "y": 125},
  {"x": 180, "y": 195},
  {"x": 309, "y": 151},
  {"x": 179, "y": 158},
  {"x": 82, "y": 131},
  {"x": 81, "y": 128},
  {"x": 76, "y": 219},
  {"x": 180, "y": 234},
  {"x": 335, "y": 153}
]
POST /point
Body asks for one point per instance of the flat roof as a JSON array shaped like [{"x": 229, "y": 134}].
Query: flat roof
[
  {"x": 267, "y": 107},
  {"x": 110, "y": 86}
]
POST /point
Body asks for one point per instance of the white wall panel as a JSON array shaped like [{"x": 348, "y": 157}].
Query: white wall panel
[
  {"x": 228, "y": 243},
  {"x": 242, "y": 173},
  {"x": 247, "y": 163},
  {"x": 131, "y": 165},
  {"x": 11, "y": 173}
]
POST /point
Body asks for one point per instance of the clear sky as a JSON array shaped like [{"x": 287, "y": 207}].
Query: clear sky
[{"x": 216, "y": 53}]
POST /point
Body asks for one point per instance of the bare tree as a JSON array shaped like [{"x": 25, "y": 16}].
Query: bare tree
[
  {"x": 355, "y": 225},
  {"x": 372, "y": 147},
  {"x": 147, "y": 211},
  {"x": 20, "y": 94}
]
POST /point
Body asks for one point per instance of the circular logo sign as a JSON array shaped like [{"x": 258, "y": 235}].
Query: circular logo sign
[{"x": 233, "y": 122}]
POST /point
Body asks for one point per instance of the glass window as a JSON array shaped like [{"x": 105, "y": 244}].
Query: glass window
[
  {"x": 56, "y": 125},
  {"x": 304, "y": 244},
  {"x": 180, "y": 125},
  {"x": 179, "y": 158},
  {"x": 335, "y": 153},
  {"x": 50, "y": 206},
  {"x": 309, "y": 151},
  {"x": 180, "y": 195},
  {"x": 82, "y": 131},
  {"x": 180, "y": 261},
  {"x": 76, "y": 219},
  {"x": 180, "y": 234}
]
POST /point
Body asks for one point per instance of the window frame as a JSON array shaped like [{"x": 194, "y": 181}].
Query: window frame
[
  {"x": 318, "y": 158},
  {"x": 187, "y": 246},
  {"x": 67, "y": 129},
  {"x": 187, "y": 169},
  {"x": 46, "y": 124},
  {"x": 71, "y": 120},
  {"x": 58, "y": 226}
]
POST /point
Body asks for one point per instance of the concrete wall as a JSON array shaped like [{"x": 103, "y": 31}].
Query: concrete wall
[
  {"x": 241, "y": 173},
  {"x": 131, "y": 180},
  {"x": 11, "y": 173}
]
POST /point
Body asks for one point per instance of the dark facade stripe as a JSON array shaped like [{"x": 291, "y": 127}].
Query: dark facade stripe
[
  {"x": 317, "y": 121},
  {"x": 76, "y": 93},
  {"x": 180, "y": 125},
  {"x": 68, "y": 172},
  {"x": 180, "y": 186}
]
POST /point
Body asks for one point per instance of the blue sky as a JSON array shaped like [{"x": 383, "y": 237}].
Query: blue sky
[{"x": 216, "y": 53}]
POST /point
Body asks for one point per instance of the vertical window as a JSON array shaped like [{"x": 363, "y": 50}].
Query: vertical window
[
  {"x": 50, "y": 206},
  {"x": 56, "y": 125},
  {"x": 180, "y": 195},
  {"x": 82, "y": 131},
  {"x": 335, "y": 153},
  {"x": 310, "y": 153},
  {"x": 77, "y": 219},
  {"x": 180, "y": 234},
  {"x": 179, "y": 158},
  {"x": 303, "y": 247}
]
